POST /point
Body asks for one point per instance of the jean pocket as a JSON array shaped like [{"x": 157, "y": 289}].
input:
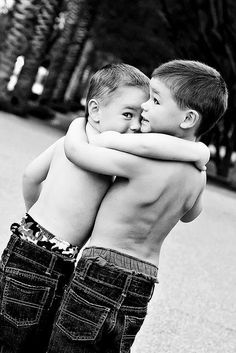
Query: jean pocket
[
  {"x": 80, "y": 319},
  {"x": 132, "y": 325},
  {"x": 22, "y": 304}
]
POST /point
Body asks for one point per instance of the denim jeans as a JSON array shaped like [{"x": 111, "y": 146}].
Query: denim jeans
[
  {"x": 104, "y": 305},
  {"x": 32, "y": 283}
]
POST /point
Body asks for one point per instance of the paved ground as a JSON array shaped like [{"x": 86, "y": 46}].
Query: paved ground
[{"x": 193, "y": 309}]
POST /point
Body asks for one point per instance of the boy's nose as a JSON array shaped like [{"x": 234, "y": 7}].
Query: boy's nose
[{"x": 135, "y": 125}]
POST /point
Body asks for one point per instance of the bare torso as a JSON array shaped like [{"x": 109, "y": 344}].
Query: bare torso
[
  {"x": 137, "y": 214},
  {"x": 69, "y": 199}
]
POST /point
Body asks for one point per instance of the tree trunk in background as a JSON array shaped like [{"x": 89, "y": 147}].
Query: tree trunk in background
[
  {"x": 48, "y": 12},
  {"x": 85, "y": 22},
  {"x": 91, "y": 60},
  {"x": 73, "y": 93},
  {"x": 17, "y": 41},
  {"x": 216, "y": 35},
  {"x": 59, "y": 52}
]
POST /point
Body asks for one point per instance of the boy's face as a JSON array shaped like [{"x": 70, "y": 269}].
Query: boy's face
[
  {"x": 161, "y": 113},
  {"x": 122, "y": 111}
]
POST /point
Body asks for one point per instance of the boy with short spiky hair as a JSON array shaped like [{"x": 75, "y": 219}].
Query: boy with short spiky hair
[
  {"x": 196, "y": 85},
  {"x": 106, "y": 301}
]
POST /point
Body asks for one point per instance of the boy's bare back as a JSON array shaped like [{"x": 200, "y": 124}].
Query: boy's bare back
[
  {"x": 138, "y": 213},
  {"x": 69, "y": 199}
]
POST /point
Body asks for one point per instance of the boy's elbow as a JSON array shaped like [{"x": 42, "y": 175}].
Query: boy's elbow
[
  {"x": 29, "y": 177},
  {"x": 26, "y": 175},
  {"x": 186, "y": 219},
  {"x": 189, "y": 217},
  {"x": 28, "y": 181}
]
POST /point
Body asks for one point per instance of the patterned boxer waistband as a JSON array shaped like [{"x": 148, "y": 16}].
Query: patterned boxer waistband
[{"x": 31, "y": 231}]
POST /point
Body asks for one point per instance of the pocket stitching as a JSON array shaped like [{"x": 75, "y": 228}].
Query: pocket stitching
[
  {"x": 29, "y": 275},
  {"x": 77, "y": 337},
  {"x": 6, "y": 299},
  {"x": 127, "y": 317},
  {"x": 127, "y": 337}
]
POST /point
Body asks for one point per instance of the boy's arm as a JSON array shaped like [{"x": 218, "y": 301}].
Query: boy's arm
[
  {"x": 97, "y": 159},
  {"x": 157, "y": 146},
  {"x": 195, "y": 211},
  {"x": 34, "y": 174}
]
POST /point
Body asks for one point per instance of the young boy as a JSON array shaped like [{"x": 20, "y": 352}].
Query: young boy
[
  {"x": 62, "y": 201},
  {"x": 106, "y": 301}
]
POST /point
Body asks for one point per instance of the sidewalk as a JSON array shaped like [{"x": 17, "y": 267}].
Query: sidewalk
[{"x": 193, "y": 309}]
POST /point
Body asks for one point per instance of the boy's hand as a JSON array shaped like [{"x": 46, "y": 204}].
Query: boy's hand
[
  {"x": 200, "y": 166},
  {"x": 204, "y": 157}
]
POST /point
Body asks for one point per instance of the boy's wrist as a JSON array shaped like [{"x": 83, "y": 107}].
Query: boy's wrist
[{"x": 203, "y": 158}]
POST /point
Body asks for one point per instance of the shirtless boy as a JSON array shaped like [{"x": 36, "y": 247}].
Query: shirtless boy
[
  {"x": 62, "y": 201},
  {"x": 106, "y": 301}
]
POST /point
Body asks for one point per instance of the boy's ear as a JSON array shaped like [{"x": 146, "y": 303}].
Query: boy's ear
[
  {"x": 93, "y": 110},
  {"x": 191, "y": 119}
]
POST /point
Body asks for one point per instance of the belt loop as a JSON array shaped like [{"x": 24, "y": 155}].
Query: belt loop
[
  {"x": 83, "y": 272},
  {"x": 51, "y": 265},
  {"x": 125, "y": 290},
  {"x": 12, "y": 242},
  {"x": 127, "y": 284},
  {"x": 8, "y": 250},
  {"x": 152, "y": 291}
]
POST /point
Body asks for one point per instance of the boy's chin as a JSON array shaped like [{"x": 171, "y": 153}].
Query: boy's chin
[{"x": 145, "y": 128}]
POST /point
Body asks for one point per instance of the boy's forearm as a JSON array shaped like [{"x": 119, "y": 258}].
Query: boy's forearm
[
  {"x": 157, "y": 146},
  {"x": 94, "y": 158}
]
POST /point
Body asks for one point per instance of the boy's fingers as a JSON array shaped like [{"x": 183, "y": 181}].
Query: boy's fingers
[{"x": 201, "y": 167}]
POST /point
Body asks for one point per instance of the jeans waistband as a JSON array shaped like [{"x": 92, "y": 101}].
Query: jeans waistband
[
  {"x": 49, "y": 260},
  {"x": 121, "y": 260}
]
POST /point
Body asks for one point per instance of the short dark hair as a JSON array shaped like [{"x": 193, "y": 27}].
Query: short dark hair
[
  {"x": 112, "y": 76},
  {"x": 196, "y": 86}
]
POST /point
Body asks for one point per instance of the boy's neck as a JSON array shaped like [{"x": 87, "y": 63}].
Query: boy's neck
[{"x": 190, "y": 136}]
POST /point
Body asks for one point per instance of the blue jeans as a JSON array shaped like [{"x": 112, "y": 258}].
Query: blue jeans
[
  {"x": 104, "y": 305},
  {"x": 32, "y": 283}
]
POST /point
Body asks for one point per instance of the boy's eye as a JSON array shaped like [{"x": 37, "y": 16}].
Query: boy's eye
[
  {"x": 156, "y": 101},
  {"x": 128, "y": 115}
]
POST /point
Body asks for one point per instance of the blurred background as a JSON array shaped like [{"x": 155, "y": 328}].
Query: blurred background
[{"x": 49, "y": 50}]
